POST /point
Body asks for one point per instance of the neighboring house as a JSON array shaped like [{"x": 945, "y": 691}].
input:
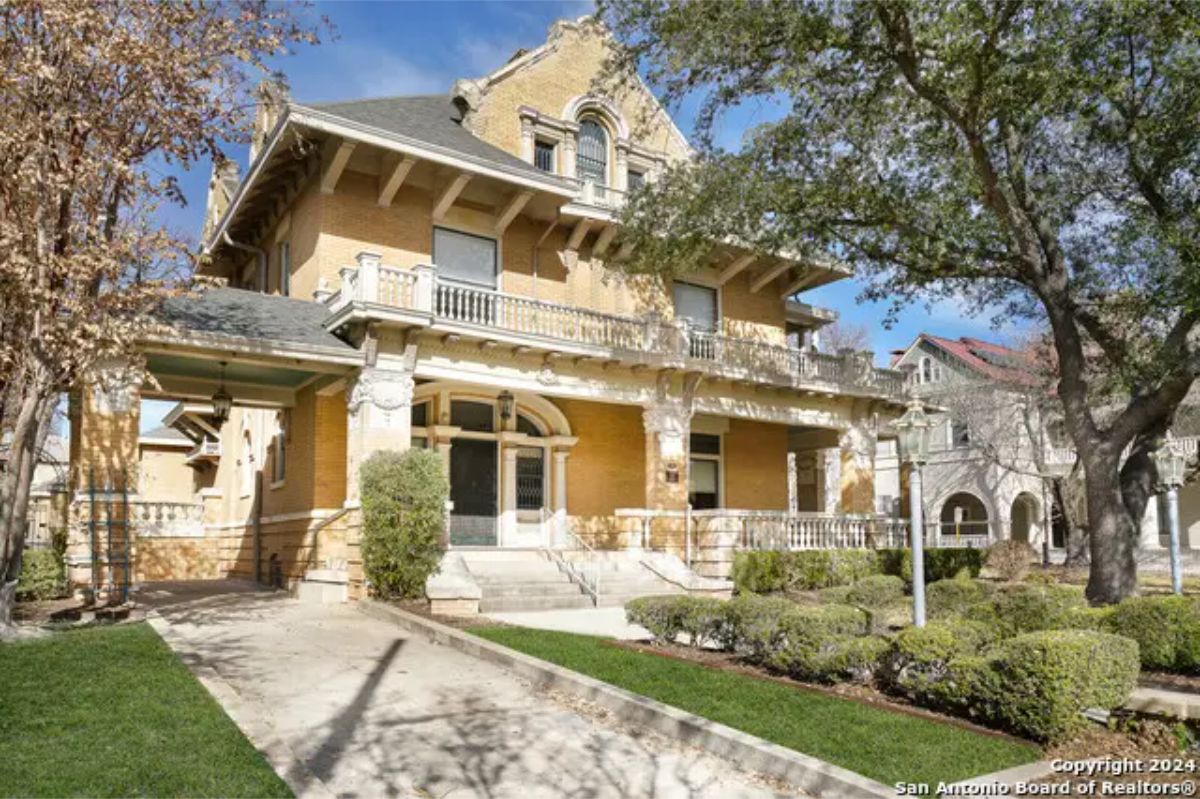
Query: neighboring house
[
  {"x": 48, "y": 500},
  {"x": 996, "y": 433},
  {"x": 436, "y": 272}
]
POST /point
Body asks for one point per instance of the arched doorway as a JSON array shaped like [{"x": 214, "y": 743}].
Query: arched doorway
[
  {"x": 506, "y": 462},
  {"x": 963, "y": 514},
  {"x": 1023, "y": 522}
]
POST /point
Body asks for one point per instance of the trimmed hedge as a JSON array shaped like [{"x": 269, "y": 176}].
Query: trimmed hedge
[
  {"x": 918, "y": 664},
  {"x": 805, "y": 640},
  {"x": 1166, "y": 628},
  {"x": 403, "y": 520},
  {"x": 1027, "y": 608},
  {"x": 1037, "y": 684},
  {"x": 875, "y": 591},
  {"x": 952, "y": 597},
  {"x": 772, "y": 572},
  {"x": 702, "y": 619},
  {"x": 43, "y": 575},
  {"x": 940, "y": 564}
]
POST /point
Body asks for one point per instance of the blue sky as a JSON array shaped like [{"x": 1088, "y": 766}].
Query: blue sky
[{"x": 384, "y": 48}]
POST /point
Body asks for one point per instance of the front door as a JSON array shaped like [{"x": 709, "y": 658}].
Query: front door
[{"x": 473, "y": 492}]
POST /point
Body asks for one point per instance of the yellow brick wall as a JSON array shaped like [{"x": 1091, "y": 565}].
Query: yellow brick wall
[
  {"x": 315, "y": 475},
  {"x": 759, "y": 315},
  {"x": 755, "y": 465},
  {"x": 606, "y": 469},
  {"x": 553, "y": 81},
  {"x": 163, "y": 474}
]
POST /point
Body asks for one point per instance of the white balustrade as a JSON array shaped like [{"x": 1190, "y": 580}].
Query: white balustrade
[
  {"x": 167, "y": 519},
  {"x": 419, "y": 289}
]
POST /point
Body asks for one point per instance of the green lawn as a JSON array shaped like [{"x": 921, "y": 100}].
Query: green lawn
[
  {"x": 886, "y": 746},
  {"x": 112, "y": 712}
]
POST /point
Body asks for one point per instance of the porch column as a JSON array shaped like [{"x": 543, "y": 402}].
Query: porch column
[
  {"x": 830, "y": 478},
  {"x": 104, "y": 415},
  {"x": 668, "y": 427},
  {"x": 857, "y": 478},
  {"x": 793, "y": 478},
  {"x": 560, "y": 496},
  {"x": 379, "y": 417},
  {"x": 441, "y": 436},
  {"x": 510, "y": 444}
]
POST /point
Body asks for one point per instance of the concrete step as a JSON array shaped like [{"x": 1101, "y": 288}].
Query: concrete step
[
  {"x": 509, "y": 604},
  {"x": 327, "y": 576},
  {"x": 540, "y": 589},
  {"x": 322, "y": 593},
  {"x": 521, "y": 579}
]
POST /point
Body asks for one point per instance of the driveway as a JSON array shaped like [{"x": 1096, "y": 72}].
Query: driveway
[{"x": 363, "y": 709}]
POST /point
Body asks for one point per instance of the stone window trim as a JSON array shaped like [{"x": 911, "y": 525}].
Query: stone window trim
[{"x": 563, "y": 134}]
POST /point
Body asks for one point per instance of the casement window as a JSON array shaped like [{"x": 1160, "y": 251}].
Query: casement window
[
  {"x": 285, "y": 269},
  {"x": 465, "y": 258},
  {"x": 591, "y": 157},
  {"x": 543, "y": 156},
  {"x": 704, "y": 472}
]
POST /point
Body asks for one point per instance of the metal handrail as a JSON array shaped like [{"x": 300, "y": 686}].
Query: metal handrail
[{"x": 571, "y": 568}]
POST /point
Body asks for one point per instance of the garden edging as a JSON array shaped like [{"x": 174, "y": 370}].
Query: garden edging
[{"x": 814, "y": 776}]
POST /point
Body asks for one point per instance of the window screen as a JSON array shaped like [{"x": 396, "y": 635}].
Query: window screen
[
  {"x": 697, "y": 304},
  {"x": 466, "y": 258}
]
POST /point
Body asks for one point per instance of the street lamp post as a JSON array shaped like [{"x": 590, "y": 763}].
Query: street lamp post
[
  {"x": 913, "y": 440},
  {"x": 1170, "y": 462}
]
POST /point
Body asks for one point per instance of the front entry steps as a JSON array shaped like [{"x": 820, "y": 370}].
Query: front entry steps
[
  {"x": 529, "y": 580},
  {"x": 329, "y": 585}
]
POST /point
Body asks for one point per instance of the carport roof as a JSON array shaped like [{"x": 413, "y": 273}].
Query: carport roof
[{"x": 252, "y": 315}]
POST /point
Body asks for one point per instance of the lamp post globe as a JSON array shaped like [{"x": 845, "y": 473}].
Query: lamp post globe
[{"x": 1170, "y": 461}]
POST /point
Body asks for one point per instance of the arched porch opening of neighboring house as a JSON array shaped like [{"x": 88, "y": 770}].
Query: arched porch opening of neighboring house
[
  {"x": 1025, "y": 519},
  {"x": 505, "y": 453},
  {"x": 963, "y": 514}
]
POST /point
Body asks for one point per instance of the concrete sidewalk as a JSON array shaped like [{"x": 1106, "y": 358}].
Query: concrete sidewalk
[
  {"x": 607, "y": 622},
  {"x": 368, "y": 711}
]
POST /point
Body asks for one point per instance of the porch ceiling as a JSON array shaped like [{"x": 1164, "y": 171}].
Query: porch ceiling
[{"x": 189, "y": 376}]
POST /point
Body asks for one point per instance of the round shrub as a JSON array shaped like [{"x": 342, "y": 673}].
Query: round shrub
[
  {"x": 920, "y": 656},
  {"x": 891, "y": 616},
  {"x": 773, "y": 572},
  {"x": 403, "y": 506},
  {"x": 940, "y": 564},
  {"x": 875, "y": 591},
  {"x": 1098, "y": 619},
  {"x": 846, "y": 657},
  {"x": 1166, "y": 628},
  {"x": 837, "y": 595},
  {"x": 1010, "y": 560},
  {"x": 701, "y": 620},
  {"x": 804, "y": 635},
  {"x": 1037, "y": 684},
  {"x": 42, "y": 576},
  {"x": 753, "y": 625},
  {"x": 1026, "y": 608},
  {"x": 758, "y": 572},
  {"x": 662, "y": 616},
  {"x": 952, "y": 597}
]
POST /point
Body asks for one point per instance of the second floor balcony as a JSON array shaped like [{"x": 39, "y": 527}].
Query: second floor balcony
[{"x": 418, "y": 297}]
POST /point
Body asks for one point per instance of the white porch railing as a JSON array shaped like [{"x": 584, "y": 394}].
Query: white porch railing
[
  {"x": 425, "y": 299},
  {"x": 167, "y": 519}
]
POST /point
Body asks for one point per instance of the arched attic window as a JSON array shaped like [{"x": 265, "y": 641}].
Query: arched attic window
[{"x": 591, "y": 157}]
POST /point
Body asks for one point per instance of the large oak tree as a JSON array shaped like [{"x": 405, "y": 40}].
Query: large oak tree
[{"x": 1039, "y": 158}]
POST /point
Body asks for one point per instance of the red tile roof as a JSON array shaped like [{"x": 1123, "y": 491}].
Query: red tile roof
[{"x": 991, "y": 360}]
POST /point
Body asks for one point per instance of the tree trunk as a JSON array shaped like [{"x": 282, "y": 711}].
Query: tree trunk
[
  {"x": 8, "y": 596},
  {"x": 1113, "y": 535}
]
